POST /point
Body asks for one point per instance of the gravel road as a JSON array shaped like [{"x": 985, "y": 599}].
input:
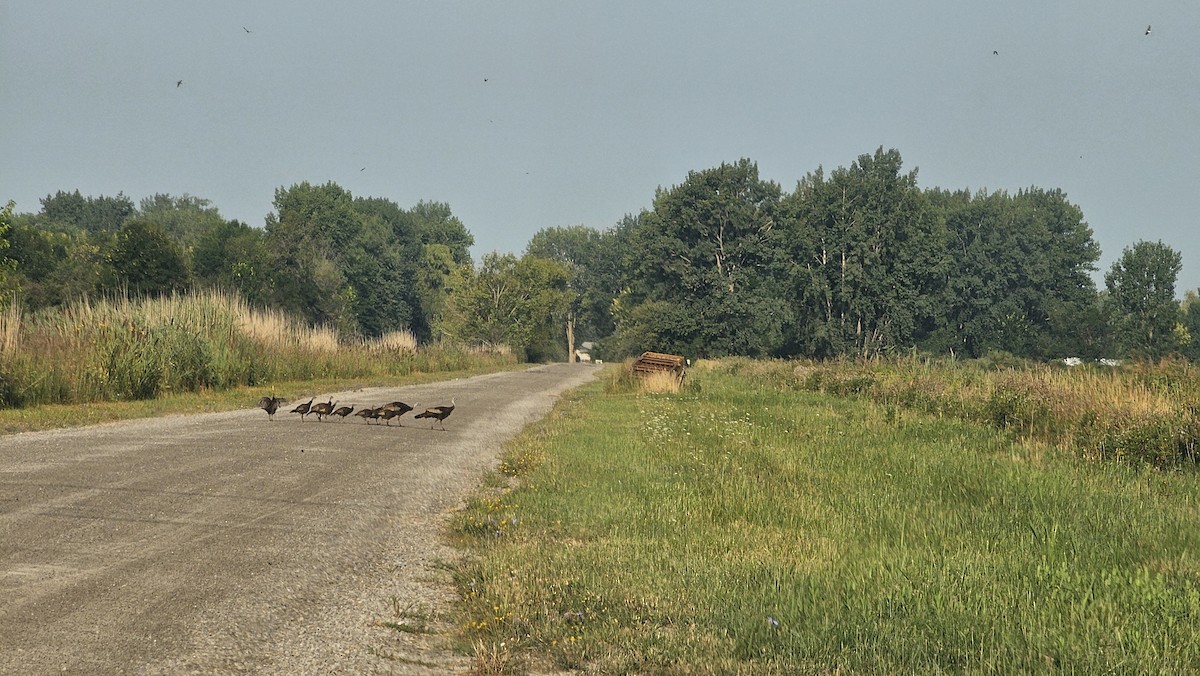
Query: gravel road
[{"x": 225, "y": 543}]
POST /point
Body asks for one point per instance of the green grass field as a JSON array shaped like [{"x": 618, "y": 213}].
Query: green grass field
[{"x": 743, "y": 527}]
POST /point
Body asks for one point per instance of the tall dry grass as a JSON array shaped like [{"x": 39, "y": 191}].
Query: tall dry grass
[
  {"x": 661, "y": 382},
  {"x": 121, "y": 348},
  {"x": 393, "y": 342},
  {"x": 10, "y": 331},
  {"x": 1143, "y": 412},
  {"x": 622, "y": 379}
]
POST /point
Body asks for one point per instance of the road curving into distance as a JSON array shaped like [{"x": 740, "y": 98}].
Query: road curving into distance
[{"x": 226, "y": 543}]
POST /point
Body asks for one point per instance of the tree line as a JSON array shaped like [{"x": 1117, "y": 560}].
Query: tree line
[
  {"x": 859, "y": 261},
  {"x": 365, "y": 266}
]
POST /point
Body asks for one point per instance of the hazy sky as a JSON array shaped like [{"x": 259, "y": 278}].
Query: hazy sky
[{"x": 525, "y": 115}]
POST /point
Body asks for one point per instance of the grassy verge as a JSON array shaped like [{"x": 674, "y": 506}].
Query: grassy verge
[
  {"x": 118, "y": 349},
  {"x": 741, "y": 526},
  {"x": 1137, "y": 413},
  {"x": 52, "y": 416}
]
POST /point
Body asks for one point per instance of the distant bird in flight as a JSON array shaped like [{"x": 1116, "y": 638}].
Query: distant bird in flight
[
  {"x": 485, "y": 79},
  {"x": 247, "y": 29},
  {"x": 363, "y": 169},
  {"x": 179, "y": 84},
  {"x": 995, "y": 53},
  {"x": 1147, "y": 30}
]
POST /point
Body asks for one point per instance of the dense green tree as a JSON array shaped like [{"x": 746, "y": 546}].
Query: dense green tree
[
  {"x": 869, "y": 258},
  {"x": 1060, "y": 255},
  {"x": 445, "y": 246},
  {"x": 8, "y": 281},
  {"x": 185, "y": 219},
  {"x": 1190, "y": 313},
  {"x": 711, "y": 248},
  {"x": 1077, "y": 329},
  {"x": 86, "y": 271},
  {"x": 1141, "y": 286},
  {"x": 320, "y": 215},
  {"x": 435, "y": 272},
  {"x": 437, "y": 225},
  {"x": 351, "y": 263},
  {"x": 655, "y": 325},
  {"x": 36, "y": 250},
  {"x": 56, "y": 262},
  {"x": 311, "y": 227},
  {"x": 1019, "y": 279},
  {"x": 36, "y": 253},
  {"x": 381, "y": 265},
  {"x": 509, "y": 301},
  {"x": 233, "y": 255},
  {"x": 91, "y": 214},
  {"x": 146, "y": 261},
  {"x": 580, "y": 250}
]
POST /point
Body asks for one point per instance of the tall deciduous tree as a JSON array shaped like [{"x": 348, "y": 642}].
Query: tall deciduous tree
[
  {"x": 146, "y": 261},
  {"x": 86, "y": 271},
  {"x": 91, "y": 214},
  {"x": 869, "y": 258},
  {"x": 233, "y": 255},
  {"x": 445, "y": 247},
  {"x": 1190, "y": 309},
  {"x": 7, "y": 265},
  {"x": 711, "y": 248},
  {"x": 508, "y": 301},
  {"x": 1018, "y": 278},
  {"x": 185, "y": 219},
  {"x": 435, "y": 272},
  {"x": 381, "y": 266},
  {"x": 312, "y": 225},
  {"x": 1141, "y": 287},
  {"x": 437, "y": 225},
  {"x": 357, "y": 263},
  {"x": 581, "y": 250}
]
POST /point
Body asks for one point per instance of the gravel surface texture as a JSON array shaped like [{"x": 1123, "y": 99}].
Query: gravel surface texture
[{"x": 228, "y": 543}]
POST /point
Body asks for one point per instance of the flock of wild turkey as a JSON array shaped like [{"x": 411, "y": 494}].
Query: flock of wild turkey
[{"x": 386, "y": 412}]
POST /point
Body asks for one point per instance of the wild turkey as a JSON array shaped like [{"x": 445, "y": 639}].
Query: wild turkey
[
  {"x": 438, "y": 413},
  {"x": 366, "y": 414},
  {"x": 394, "y": 410},
  {"x": 321, "y": 410},
  {"x": 302, "y": 409},
  {"x": 343, "y": 412},
  {"x": 270, "y": 405}
]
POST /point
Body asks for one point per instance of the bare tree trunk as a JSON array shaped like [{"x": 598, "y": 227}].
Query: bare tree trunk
[{"x": 570, "y": 337}]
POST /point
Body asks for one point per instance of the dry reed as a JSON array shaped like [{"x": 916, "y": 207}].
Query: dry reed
[
  {"x": 1148, "y": 412},
  {"x": 660, "y": 382},
  {"x": 121, "y": 348},
  {"x": 10, "y": 331}
]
